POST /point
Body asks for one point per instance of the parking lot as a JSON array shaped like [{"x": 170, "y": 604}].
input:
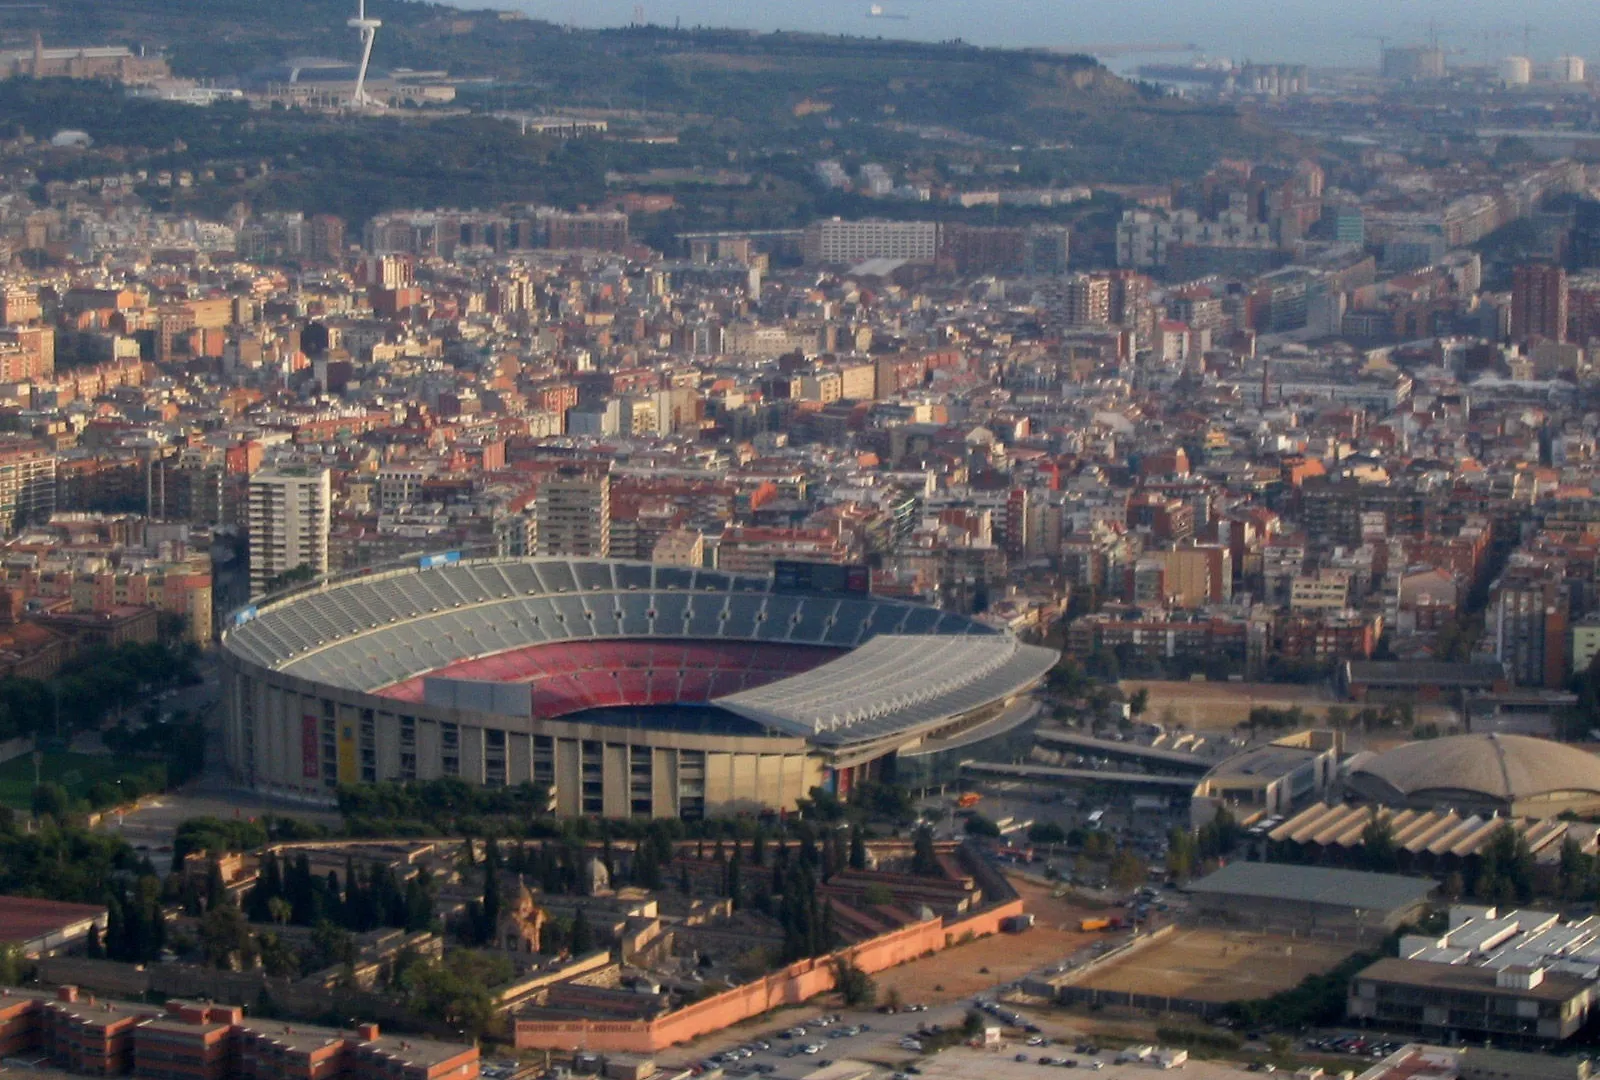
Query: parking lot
[
  {"x": 812, "y": 1041},
  {"x": 1365, "y": 1045}
]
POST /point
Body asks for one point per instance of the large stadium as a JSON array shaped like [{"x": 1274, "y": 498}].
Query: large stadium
[{"x": 626, "y": 689}]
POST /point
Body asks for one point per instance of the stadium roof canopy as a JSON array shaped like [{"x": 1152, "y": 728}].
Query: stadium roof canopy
[{"x": 893, "y": 684}]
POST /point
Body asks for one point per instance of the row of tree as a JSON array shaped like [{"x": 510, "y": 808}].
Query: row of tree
[
  {"x": 93, "y": 684},
  {"x": 288, "y": 891}
]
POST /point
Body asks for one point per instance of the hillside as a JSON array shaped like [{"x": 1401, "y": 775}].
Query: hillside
[{"x": 766, "y": 105}]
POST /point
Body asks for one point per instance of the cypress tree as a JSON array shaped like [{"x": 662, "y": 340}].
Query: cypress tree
[
  {"x": 736, "y": 878},
  {"x": 491, "y": 903},
  {"x": 581, "y": 939}
]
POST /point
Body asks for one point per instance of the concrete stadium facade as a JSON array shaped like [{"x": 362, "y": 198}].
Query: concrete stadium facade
[{"x": 626, "y": 689}]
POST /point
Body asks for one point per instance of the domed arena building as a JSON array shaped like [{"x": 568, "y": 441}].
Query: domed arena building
[
  {"x": 1485, "y": 774},
  {"x": 626, "y": 689}
]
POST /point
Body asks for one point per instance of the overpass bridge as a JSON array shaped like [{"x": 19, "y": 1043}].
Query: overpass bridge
[
  {"x": 1150, "y": 757},
  {"x": 1050, "y": 774}
]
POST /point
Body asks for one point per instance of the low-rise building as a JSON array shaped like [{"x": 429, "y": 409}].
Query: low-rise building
[{"x": 1515, "y": 1006}]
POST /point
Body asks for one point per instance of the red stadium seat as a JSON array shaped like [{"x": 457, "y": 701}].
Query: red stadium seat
[{"x": 570, "y": 676}]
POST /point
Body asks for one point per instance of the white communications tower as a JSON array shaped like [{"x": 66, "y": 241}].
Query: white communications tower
[{"x": 368, "y": 29}]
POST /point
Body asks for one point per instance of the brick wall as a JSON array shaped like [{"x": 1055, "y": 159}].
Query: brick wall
[{"x": 790, "y": 986}]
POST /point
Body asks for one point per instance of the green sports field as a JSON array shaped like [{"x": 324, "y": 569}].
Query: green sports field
[{"x": 75, "y": 772}]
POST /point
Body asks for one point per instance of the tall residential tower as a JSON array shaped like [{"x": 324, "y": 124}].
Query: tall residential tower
[{"x": 288, "y": 516}]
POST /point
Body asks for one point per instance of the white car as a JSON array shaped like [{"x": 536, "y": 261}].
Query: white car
[{"x": 812, "y": 1048}]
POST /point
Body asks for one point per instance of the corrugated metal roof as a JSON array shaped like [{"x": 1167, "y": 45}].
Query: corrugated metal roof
[{"x": 1315, "y": 885}]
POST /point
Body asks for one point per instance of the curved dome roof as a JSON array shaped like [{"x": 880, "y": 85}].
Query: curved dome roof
[{"x": 1505, "y": 767}]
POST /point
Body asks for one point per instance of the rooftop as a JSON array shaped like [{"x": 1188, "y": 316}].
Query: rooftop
[
  {"x": 1315, "y": 885},
  {"x": 1555, "y": 987},
  {"x": 1507, "y": 767},
  {"x": 963, "y": 1063},
  {"x": 23, "y": 918},
  {"x": 1270, "y": 761},
  {"x": 1426, "y": 672},
  {"x": 893, "y": 683}
]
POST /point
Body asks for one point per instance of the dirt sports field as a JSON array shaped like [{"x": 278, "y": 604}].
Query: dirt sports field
[
  {"x": 966, "y": 969},
  {"x": 1219, "y": 706},
  {"x": 1219, "y": 965}
]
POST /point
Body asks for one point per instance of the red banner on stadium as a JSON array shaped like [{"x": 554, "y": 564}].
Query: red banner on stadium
[{"x": 310, "y": 753}]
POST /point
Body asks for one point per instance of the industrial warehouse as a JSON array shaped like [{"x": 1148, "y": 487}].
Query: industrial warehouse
[
  {"x": 626, "y": 689},
  {"x": 1308, "y": 899}
]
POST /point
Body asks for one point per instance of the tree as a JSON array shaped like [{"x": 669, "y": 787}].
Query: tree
[
  {"x": 645, "y": 870},
  {"x": 854, "y": 985},
  {"x": 1139, "y": 701},
  {"x": 51, "y": 800},
  {"x": 1515, "y": 863},
  {"x": 580, "y": 939},
  {"x": 490, "y": 921},
  {"x": 331, "y": 945},
  {"x": 924, "y": 860},
  {"x": 216, "y": 889},
  {"x": 1377, "y": 843},
  {"x": 1128, "y": 871},
  {"x": 459, "y": 989},
  {"x": 277, "y": 957},
  {"x": 15, "y": 967},
  {"x": 419, "y": 902},
  {"x": 1046, "y": 832},
  {"x": 225, "y": 938},
  {"x": 294, "y": 576},
  {"x": 877, "y": 894},
  {"x": 736, "y": 877},
  {"x": 858, "y": 848},
  {"x": 978, "y": 825},
  {"x": 1181, "y": 854},
  {"x": 1220, "y": 835},
  {"x": 1067, "y": 678},
  {"x": 1576, "y": 869},
  {"x": 92, "y": 947}
]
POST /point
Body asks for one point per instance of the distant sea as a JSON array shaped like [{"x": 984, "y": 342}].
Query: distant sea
[{"x": 1319, "y": 32}]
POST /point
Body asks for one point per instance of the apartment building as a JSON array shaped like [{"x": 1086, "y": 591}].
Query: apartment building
[
  {"x": 288, "y": 512},
  {"x": 836, "y": 241},
  {"x": 572, "y": 513},
  {"x": 27, "y": 481}
]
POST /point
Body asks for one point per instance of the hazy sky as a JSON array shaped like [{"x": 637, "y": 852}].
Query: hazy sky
[{"x": 1307, "y": 31}]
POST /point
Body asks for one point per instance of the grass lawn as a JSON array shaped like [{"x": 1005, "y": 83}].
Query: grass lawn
[{"x": 75, "y": 772}]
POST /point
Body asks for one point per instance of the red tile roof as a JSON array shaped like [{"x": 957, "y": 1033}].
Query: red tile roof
[{"x": 23, "y": 918}]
